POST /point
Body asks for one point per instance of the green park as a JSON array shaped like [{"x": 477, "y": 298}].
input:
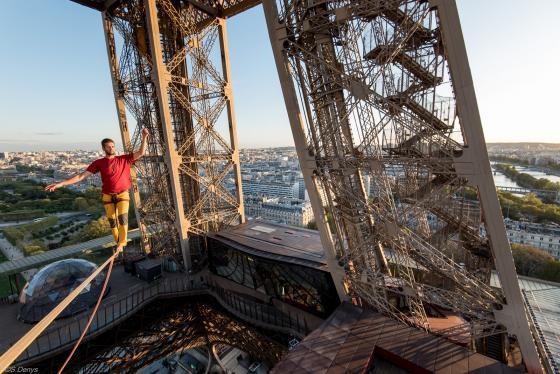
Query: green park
[{"x": 39, "y": 214}]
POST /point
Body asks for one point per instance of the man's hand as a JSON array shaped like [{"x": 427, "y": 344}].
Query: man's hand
[
  {"x": 52, "y": 187},
  {"x": 139, "y": 153}
]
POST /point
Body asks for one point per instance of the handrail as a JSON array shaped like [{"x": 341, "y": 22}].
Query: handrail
[
  {"x": 17, "y": 349},
  {"x": 111, "y": 312},
  {"x": 259, "y": 313},
  {"x": 114, "y": 310}
]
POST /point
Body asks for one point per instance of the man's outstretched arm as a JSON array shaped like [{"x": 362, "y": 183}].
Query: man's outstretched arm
[
  {"x": 139, "y": 153},
  {"x": 75, "y": 179}
]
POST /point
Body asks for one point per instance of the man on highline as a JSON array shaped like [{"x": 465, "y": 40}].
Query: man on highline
[{"x": 115, "y": 176}]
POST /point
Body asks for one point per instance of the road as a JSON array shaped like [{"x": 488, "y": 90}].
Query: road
[
  {"x": 14, "y": 253},
  {"x": 12, "y": 224}
]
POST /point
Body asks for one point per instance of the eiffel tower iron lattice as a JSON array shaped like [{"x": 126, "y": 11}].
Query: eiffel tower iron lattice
[
  {"x": 170, "y": 328},
  {"x": 378, "y": 88},
  {"x": 165, "y": 78},
  {"x": 383, "y": 88}
]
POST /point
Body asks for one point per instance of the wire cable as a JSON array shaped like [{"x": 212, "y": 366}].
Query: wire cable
[
  {"x": 22, "y": 344},
  {"x": 94, "y": 311}
]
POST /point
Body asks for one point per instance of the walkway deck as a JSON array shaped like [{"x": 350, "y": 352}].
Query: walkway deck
[{"x": 128, "y": 294}]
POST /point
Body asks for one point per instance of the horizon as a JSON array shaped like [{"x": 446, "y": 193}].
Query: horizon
[{"x": 240, "y": 148}]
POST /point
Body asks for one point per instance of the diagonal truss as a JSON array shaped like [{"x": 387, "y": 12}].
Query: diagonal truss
[
  {"x": 382, "y": 88},
  {"x": 134, "y": 92},
  {"x": 168, "y": 77}
]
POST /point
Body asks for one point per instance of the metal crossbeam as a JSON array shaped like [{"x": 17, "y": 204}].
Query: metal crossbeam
[
  {"x": 378, "y": 88},
  {"x": 171, "y": 85}
]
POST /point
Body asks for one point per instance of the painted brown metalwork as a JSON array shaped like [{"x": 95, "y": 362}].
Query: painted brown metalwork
[
  {"x": 170, "y": 327},
  {"x": 383, "y": 88},
  {"x": 372, "y": 87},
  {"x": 170, "y": 84}
]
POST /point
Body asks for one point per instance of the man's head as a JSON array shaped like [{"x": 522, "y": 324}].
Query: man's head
[{"x": 108, "y": 146}]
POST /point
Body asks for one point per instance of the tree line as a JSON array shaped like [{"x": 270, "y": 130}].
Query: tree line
[
  {"x": 21, "y": 200},
  {"x": 535, "y": 263}
]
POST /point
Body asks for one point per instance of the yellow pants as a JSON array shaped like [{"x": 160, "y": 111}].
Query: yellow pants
[{"x": 116, "y": 207}]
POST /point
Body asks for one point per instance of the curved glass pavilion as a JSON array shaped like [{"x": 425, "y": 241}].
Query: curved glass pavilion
[{"x": 50, "y": 285}]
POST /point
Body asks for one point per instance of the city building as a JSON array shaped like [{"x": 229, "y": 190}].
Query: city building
[
  {"x": 69, "y": 171},
  {"x": 544, "y": 237},
  {"x": 273, "y": 189},
  {"x": 301, "y": 191},
  {"x": 8, "y": 173},
  {"x": 49, "y": 167},
  {"x": 293, "y": 212}
]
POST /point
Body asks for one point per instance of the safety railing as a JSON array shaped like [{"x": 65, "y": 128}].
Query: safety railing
[
  {"x": 114, "y": 310},
  {"x": 267, "y": 316}
]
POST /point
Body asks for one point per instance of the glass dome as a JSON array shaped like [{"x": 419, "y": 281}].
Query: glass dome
[{"x": 50, "y": 285}]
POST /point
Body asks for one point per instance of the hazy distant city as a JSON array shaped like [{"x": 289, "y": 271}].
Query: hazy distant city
[{"x": 274, "y": 190}]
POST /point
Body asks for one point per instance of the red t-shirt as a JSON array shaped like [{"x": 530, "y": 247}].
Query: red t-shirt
[{"x": 115, "y": 172}]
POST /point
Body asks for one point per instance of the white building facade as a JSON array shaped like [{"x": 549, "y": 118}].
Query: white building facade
[
  {"x": 544, "y": 237},
  {"x": 293, "y": 212}
]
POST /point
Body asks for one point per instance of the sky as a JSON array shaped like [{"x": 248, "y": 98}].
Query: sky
[{"x": 56, "y": 92}]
